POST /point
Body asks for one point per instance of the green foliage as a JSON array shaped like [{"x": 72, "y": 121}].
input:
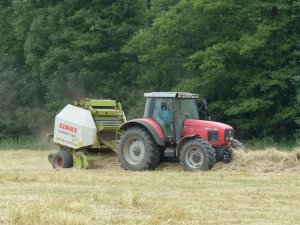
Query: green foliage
[
  {"x": 61, "y": 51},
  {"x": 269, "y": 142},
  {"x": 23, "y": 142},
  {"x": 243, "y": 56}
]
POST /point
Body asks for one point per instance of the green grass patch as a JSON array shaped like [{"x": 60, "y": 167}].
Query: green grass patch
[
  {"x": 25, "y": 143},
  {"x": 265, "y": 143}
]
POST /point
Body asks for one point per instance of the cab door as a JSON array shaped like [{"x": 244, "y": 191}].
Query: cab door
[
  {"x": 184, "y": 109},
  {"x": 163, "y": 114}
]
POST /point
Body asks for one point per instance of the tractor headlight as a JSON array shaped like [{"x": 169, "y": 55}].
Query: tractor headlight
[
  {"x": 229, "y": 135},
  {"x": 213, "y": 136}
]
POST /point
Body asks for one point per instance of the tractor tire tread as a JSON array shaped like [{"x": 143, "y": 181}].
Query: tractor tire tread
[
  {"x": 152, "y": 154},
  {"x": 209, "y": 153},
  {"x": 228, "y": 157},
  {"x": 67, "y": 159},
  {"x": 236, "y": 144}
]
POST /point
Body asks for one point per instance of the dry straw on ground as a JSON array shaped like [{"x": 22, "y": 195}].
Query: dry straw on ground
[
  {"x": 270, "y": 160},
  {"x": 256, "y": 188}
]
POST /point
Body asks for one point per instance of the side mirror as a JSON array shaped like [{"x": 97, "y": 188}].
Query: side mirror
[
  {"x": 202, "y": 108},
  {"x": 164, "y": 105},
  {"x": 204, "y": 104}
]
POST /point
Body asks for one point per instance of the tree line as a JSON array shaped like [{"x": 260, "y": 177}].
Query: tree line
[{"x": 242, "y": 56}]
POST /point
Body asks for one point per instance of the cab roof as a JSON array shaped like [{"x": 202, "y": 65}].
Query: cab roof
[{"x": 170, "y": 95}]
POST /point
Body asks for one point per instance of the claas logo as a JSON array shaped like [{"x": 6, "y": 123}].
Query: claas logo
[{"x": 68, "y": 128}]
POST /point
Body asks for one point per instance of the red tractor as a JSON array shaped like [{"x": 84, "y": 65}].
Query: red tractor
[{"x": 171, "y": 128}]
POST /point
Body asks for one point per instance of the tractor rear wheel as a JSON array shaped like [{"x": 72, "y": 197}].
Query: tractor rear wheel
[
  {"x": 138, "y": 150},
  {"x": 197, "y": 154},
  {"x": 62, "y": 159}
]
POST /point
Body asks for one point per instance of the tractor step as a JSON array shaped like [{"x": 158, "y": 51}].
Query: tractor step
[{"x": 169, "y": 153}]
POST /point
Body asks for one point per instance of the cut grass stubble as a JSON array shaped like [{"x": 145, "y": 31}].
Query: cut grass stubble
[{"x": 256, "y": 188}]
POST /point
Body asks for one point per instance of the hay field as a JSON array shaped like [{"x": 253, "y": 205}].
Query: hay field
[{"x": 257, "y": 188}]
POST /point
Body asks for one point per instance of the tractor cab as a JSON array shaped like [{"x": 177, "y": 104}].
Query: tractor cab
[{"x": 170, "y": 110}]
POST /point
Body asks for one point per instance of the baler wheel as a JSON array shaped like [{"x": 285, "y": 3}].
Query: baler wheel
[
  {"x": 50, "y": 157},
  {"x": 138, "y": 150},
  {"x": 62, "y": 159},
  {"x": 197, "y": 154}
]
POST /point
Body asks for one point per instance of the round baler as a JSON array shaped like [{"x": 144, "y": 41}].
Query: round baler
[{"x": 88, "y": 124}]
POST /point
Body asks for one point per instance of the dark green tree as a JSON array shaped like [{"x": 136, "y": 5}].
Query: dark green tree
[
  {"x": 64, "y": 50},
  {"x": 243, "y": 56}
]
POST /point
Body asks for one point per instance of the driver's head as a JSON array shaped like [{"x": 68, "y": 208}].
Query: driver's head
[{"x": 164, "y": 105}]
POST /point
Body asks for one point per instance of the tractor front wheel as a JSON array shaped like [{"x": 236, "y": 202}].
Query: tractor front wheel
[
  {"x": 197, "y": 154},
  {"x": 138, "y": 150},
  {"x": 62, "y": 159},
  {"x": 236, "y": 144},
  {"x": 227, "y": 155}
]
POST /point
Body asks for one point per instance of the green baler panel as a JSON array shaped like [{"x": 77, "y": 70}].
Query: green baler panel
[
  {"x": 107, "y": 114},
  {"x": 103, "y": 103}
]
